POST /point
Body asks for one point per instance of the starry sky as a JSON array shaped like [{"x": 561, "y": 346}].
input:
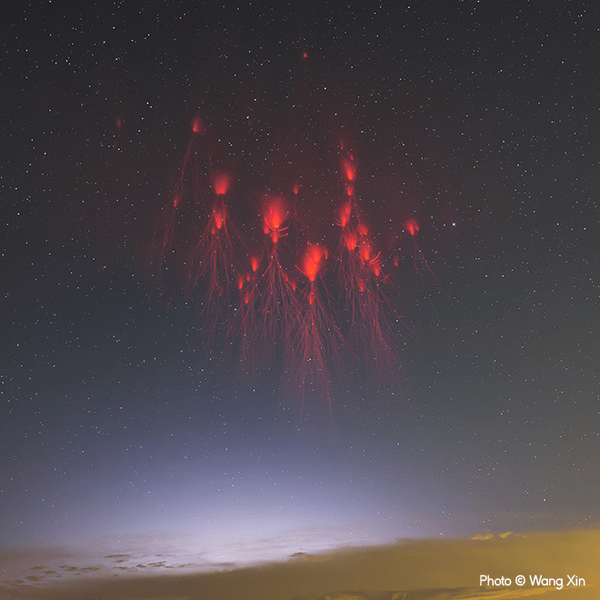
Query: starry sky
[{"x": 124, "y": 423}]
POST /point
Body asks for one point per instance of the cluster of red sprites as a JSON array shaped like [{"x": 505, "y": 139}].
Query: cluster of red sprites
[{"x": 317, "y": 320}]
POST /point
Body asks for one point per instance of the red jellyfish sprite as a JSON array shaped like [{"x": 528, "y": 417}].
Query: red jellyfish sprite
[
  {"x": 211, "y": 272},
  {"x": 360, "y": 281},
  {"x": 419, "y": 260},
  {"x": 243, "y": 330},
  {"x": 276, "y": 300},
  {"x": 317, "y": 340},
  {"x": 185, "y": 192}
]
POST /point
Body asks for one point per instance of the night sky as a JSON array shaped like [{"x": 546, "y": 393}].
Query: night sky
[{"x": 128, "y": 417}]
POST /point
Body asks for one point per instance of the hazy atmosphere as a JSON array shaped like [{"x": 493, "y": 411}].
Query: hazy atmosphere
[{"x": 285, "y": 278}]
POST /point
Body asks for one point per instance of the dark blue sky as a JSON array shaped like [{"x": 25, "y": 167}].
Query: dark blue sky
[{"x": 122, "y": 419}]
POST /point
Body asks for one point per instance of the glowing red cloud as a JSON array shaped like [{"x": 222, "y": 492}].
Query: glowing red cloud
[
  {"x": 375, "y": 265},
  {"x": 350, "y": 240},
  {"x": 197, "y": 126},
  {"x": 412, "y": 226},
  {"x": 365, "y": 251},
  {"x": 219, "y": 215},
  {"x": 313, "y": 260},
  {"x": 345, "y": 212},
  {"x": 349, "y": 168},
  {"x": 275, "y": 214},
  {"x": 221, "y": 183}
]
